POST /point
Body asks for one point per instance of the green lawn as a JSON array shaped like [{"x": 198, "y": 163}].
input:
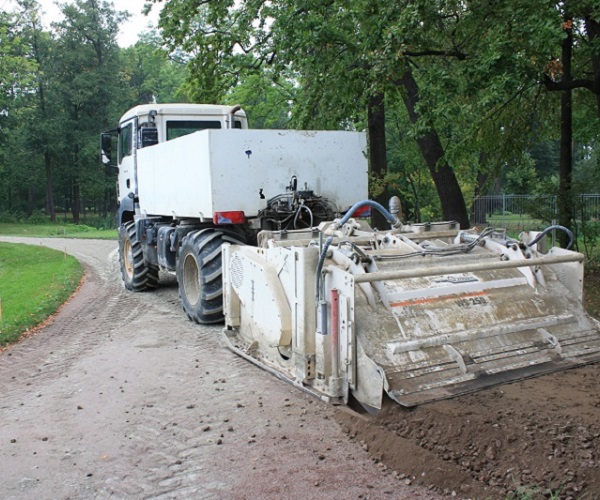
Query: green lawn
[
  {"x": 516, "y": 222},
  {"x": 57, "y": 230},
  {"x": 34, "y": 282}
]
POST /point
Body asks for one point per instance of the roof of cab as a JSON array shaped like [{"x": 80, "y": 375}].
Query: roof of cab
[{"x": 182, "y": 109}]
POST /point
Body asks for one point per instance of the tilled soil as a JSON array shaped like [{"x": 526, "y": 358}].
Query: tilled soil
[
  {"x": 538, "y": 437},
  {"x": 121, "y": 396}
]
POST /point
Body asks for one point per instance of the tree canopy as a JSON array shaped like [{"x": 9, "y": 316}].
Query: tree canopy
[
  {"x": 459, "y": 99},
  {"x": 474, "y": 83},
  {"x": 61, "y": 87}
]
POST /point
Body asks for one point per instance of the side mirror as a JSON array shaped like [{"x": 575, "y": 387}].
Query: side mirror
[{"x": 106, "y": 149}]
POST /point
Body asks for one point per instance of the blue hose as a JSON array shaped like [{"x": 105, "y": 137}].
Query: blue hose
[{"x": 390, "y": 218}]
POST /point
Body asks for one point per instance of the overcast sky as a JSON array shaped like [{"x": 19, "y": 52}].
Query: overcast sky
[{"x": 129, "y": 30}]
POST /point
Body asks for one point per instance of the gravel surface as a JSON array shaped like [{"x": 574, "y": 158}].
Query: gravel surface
[{"x": 121, "y": 396}]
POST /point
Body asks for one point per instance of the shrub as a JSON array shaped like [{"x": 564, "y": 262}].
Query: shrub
[{"x": 38, "y": 217}]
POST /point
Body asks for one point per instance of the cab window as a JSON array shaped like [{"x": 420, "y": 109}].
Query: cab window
[
  {"x": 125, "y": 142},
  {"x": 180, "y": 128}
]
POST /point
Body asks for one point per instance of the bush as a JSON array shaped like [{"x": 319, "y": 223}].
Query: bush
[
  {"x": 108, "y": 222},
  {"x": 7, "y": 218},
  {"x": 12, "y": 217},
  {"x": 38, "y": 217}
]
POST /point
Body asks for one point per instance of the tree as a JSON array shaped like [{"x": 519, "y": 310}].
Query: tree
[
  {"x": 267, "y": 100},
  {"x": 17, "y": 83},
  {"x": 560, "y": 78},
  {"x": 86, "y": 81},
  {"x": 41, "y": 132},
  {"x": 153, "y": 74},
  {"x": 335, "y": 50},
  {"x": 17, "y": 70}
]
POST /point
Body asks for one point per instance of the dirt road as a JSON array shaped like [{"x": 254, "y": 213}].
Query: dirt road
[{"x": 121, "y": 396}]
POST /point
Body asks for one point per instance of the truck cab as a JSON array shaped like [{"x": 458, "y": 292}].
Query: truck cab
[{"x": 150, "y": 124}]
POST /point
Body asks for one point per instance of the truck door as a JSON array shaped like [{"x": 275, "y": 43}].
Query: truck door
[{"x": 127, "y": 184}]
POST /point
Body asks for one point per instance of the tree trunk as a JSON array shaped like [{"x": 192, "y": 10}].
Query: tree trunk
[
  {"x": 76, "y": 206},
  {"x": 451, "y": 197},
  {"x": 377, "y": 155},
  {"x": 30, "y": 200},
  {"x": 565, "y": 207},
  {"x": 478, "y": 212},
  {"x": 50, "y": 210},
  {"x": 592, "y": 28}
]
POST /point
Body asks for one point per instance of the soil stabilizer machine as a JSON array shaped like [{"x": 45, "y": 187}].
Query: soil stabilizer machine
[
  {"x": 420, "y": 312},
  {"x": 261, "y": 229}
]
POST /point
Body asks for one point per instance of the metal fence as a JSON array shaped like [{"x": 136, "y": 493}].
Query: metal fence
[{"x": 521, "y": 211}]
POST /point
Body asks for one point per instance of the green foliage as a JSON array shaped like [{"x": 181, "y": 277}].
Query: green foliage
[
  {"x": 590, "y": 237},
  {"x": 151, "y": 74},
  {"x": 35, "y": 282},
  {"x": 58, "y": 90},
  {"x": 521, "y": 176},
  {"x": 37, "y": 217},
  {"x": 586, "y": 171},
  {"x": 17, "y": 71},
  {"x": 482, "y": 70},
  {"x": 532, "y": 493},
  {"x": 57, "y": 229},
  {"x": 412, "y": 180},
  {"x": 478, "y": 68},
  {"x": 265, "y": 99}
]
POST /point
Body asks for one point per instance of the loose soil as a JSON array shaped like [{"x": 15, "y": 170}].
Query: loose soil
[{"x": 121, "y": 396}]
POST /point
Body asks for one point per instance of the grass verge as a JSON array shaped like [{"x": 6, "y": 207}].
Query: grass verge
[
  {"x": 34, "y": 282},
  {"x": 57, "y": 231}
]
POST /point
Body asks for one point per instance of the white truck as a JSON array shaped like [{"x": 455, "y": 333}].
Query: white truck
[
  {"x": 192, "y": 176},
  {"x": 261, "y": 229}
]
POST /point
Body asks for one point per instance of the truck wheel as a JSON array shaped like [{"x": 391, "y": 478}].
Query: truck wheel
[
  {"x": 199, "y": 274},
  {"x": 137, "y": 275}
]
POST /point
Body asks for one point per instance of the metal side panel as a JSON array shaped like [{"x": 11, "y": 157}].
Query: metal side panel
[
  {"x": 269, "y": 305},
  {"x": 257, "y": 310}
]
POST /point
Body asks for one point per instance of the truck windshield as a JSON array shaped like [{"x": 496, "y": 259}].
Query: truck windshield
[{"x": 184, "y": 127}]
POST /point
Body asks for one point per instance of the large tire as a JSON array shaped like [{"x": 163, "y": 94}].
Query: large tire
[
  {"x": 137, "y": 275},
  {"x": 200, "y": 274}
]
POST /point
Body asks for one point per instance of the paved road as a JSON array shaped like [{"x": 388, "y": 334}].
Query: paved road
[{"x": 121, "y": 396}]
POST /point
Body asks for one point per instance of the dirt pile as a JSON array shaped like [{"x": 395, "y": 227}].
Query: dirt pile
[{"x": 538, "y": 437}]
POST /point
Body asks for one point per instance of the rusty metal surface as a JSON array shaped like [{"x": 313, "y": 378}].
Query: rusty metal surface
[{"x": 455, "y": 333}]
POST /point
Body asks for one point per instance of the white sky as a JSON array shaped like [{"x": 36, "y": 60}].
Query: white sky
[{"x": 137, "y": 23}]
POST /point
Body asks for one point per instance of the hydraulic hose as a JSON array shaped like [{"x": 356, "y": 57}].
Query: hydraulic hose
[
  {"x": 551, "y": 228},
  {"x": 300, "y": 208},
  {"x": 320, "y": 265},
  {"x": 390, "y": 218},
  {"x": 394, "y": 221}
]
